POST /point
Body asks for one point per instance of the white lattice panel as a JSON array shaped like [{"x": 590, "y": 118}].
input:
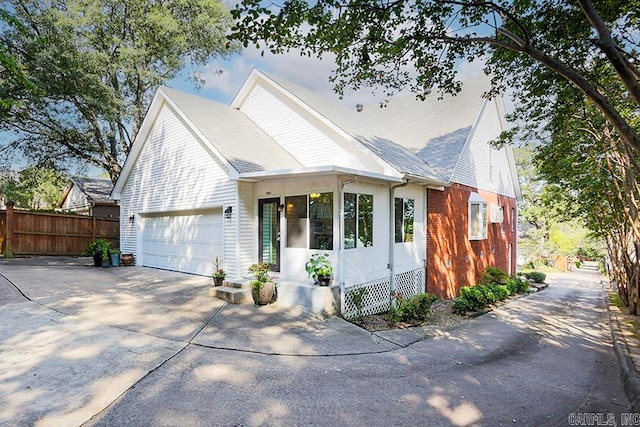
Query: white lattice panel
[
  {"x": 410, "y": 283},
  {"x": 377, "y": 298}
]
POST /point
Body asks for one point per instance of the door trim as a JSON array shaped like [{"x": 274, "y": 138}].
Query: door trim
[{"x": 261, "y": 203}]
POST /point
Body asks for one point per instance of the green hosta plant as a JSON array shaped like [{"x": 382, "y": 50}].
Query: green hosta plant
[{"x": 319, "y": 265}]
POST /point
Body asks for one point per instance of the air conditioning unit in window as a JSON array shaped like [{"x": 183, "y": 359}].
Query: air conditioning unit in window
[{"x": 497, "y": 214}]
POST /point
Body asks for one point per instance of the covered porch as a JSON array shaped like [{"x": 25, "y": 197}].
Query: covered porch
[{"x": 371, "y": 227}]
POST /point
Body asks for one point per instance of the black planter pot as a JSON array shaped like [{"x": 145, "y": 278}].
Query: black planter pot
[
  {"x": 97, "y": 260},
  {"x": 323, "y": 280}
]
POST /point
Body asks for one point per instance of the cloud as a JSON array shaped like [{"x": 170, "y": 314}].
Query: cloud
[
  {"x": 467, "y": 70},
  {"x": 223, "y": 78}
]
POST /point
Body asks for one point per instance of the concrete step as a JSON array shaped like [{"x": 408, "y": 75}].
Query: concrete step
[
  {"x": 234, "y": 295},
  {"x": 238, "y": 285}
]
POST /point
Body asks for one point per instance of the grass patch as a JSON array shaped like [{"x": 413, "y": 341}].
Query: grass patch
[{"x": 617, "y": 301}]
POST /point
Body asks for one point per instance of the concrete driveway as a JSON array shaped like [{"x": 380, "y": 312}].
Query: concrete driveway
[
  {"x": 73, "y": 337},
  {"x": 138, "y": 346}
]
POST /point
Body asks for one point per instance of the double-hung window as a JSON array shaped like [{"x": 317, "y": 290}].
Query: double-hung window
[
  {"x": 478, "y": 221},
  {"x": 358, "y": 220}
]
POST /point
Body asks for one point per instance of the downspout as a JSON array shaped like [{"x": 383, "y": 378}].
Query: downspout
[
  {"x": 341, "y": 242},
  {"x": 392, "y": 222}
]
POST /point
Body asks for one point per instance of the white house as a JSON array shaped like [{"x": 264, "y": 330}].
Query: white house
[
  {"x": 89, "y": 196},
  {"x": 277, "y": 176}
]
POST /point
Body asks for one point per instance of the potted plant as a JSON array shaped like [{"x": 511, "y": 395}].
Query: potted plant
[
  {"x": 263, "y": 284},
  {"x": 96, "y": 249},
  {"x": 104, "y": 253},
  {"x": 218, "y": 273},
  {"x": 319, "y": 269},
  {"x": 115, "y": 257}
]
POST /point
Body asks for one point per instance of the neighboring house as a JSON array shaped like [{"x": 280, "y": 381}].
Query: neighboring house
[
  {"x": 407, "y": 198},
  {"x": 89, "y": 196}
]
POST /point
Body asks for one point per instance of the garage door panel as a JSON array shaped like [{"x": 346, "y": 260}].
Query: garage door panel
[{"x": 187, "y": 243}]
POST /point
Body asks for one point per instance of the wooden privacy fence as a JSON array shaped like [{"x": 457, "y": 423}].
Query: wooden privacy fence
[{"x": 25, "y": 233}]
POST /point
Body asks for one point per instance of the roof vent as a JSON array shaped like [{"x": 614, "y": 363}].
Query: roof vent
[{"x": 359, "y": 107}]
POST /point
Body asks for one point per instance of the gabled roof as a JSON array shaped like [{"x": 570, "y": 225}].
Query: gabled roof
[
  {"x": 422, "y": 138},
  {"x": 231, "y": 136},
  {"x": 95, "y": 189},
  {"x": 415, "y": 139},
  {"x": 238, "y": 139},
  {"x": 372, "y": 134},
  {"x": 435, "y": 129}
]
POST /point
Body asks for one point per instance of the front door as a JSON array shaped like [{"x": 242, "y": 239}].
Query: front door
[{"x": 269, "y": 233}]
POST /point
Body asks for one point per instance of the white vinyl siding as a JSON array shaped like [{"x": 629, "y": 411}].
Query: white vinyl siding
[
  {"x": 174, "y": 172},
  {"x": 76, "y": 201},
  {"x": 480, "y": 165},
  {"x": 295, "y": 133},
  {"x": 246, "y": 239}
]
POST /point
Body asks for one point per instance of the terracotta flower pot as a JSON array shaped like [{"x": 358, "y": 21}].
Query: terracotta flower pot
[{"x": 126, "y": 259}]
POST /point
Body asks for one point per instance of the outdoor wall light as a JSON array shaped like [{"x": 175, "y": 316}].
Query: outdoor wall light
[
  {"x": 227, "y": 212},
  {"x": 281, "y": 207},
  {"x": 132, "y": 219}
]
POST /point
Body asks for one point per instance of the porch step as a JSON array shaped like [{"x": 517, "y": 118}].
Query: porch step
[
  {"x": 321, "y": 300},
  {"x": 232, "y": 294},
  {"x": 235, "y": 292}
]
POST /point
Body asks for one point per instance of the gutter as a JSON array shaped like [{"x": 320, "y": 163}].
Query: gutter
[
  {"x": 341, "y": 239},
  {"x": 392, "y": 222}
]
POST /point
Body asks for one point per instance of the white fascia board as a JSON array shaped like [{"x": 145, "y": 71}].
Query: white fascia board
[
  {"x": 474, "y": 127},
  {"x": 246, "y": 87},
  {"x": 136, "y": 147},
  {"x": 231, "y": 171},
  {"x": 509, "y": 150},
  {"x": 317, "y": 170},
  {"x": 159, "y": 99}
]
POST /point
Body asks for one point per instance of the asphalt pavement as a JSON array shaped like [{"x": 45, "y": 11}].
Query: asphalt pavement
[{"x": 138, "y": 346}]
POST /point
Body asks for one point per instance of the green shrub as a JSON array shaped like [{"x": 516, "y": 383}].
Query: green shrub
[
  {"x": 473, "y": 298},
  {"x": 517, "y": 285},
  {"x": 530, "y": 265},
  {"x": 602, "y": 267},
  {"x": 462, "y": 305},
  {"x": 501, "y": 292},
  {"x": 416, "y": 308},
  {"x": 536, "y": 276},
  {"x": 494, "y": 275}
]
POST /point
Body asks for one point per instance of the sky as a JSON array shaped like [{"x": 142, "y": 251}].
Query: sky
[{"x": 224, "y": 78}]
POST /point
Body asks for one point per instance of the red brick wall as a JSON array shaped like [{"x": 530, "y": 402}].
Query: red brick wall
[{"x": 453, "y": 260}]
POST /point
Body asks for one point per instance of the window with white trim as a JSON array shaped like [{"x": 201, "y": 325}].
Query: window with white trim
[
  {"x": 404, "y": 213},
  {"x": 310, "y": 221},
  {"x": 478, "y": 217},
  {"x": 358, "y": 220}
]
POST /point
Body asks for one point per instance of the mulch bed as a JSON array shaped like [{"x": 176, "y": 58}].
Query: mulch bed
[{"x": 440, "y": 315}]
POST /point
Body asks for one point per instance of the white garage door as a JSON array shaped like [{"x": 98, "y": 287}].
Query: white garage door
[{"x": 187, "y": 243}]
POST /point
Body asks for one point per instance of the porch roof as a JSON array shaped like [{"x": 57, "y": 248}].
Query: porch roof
[{"x": 334, "y": 170}]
